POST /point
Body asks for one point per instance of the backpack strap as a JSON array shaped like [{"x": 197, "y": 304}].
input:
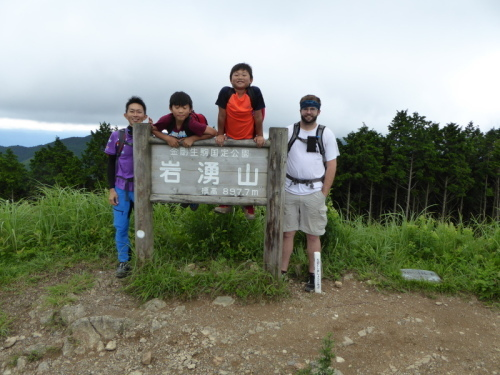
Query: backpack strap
[
  {"x": 199, "y": 118},
  {"x": 310, "y": 182},
  {"x": 250, "y": 92},
  {"x": 295, "y": 135},
  {"x": 121, "y": 143},
  {"x": 319, "y": 136},
  {"x": 321, "y": 146},
  {"x": 119, "y": 148}
]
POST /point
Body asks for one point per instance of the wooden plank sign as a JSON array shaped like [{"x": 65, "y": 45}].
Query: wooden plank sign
[
  {"x": 239, "y": 173},
  {"x": 206, "y": 173}
]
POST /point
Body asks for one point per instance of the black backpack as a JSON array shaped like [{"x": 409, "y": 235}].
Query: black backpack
[
  {"x": 319, "y": 136},
  {"x": 319, "y": 141},
  {"x": 250, "y": 92}
]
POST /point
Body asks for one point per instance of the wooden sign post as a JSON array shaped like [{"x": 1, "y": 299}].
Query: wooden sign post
[{"x": 239, "y": 173}]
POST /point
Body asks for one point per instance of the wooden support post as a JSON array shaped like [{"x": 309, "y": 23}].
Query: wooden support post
[
  {"x": 143, "y": 211},
  {"x": 273, "y": 242}
]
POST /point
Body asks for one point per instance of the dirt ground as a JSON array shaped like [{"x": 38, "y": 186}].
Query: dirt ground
[{"x": 374, "y": 333}]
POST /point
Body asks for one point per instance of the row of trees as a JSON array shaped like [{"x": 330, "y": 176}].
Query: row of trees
[
  {"x": 56, "y": 165},
  {"x": 417, "y": 167}
]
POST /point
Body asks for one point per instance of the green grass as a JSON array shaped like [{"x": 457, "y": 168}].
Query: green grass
[
  {"x": 168, "y": 279},
  {"x": 324, "y": 362},
  {"x": 202, "y": 253},
  {"x": 65, "y": 293},
  {"x": 5, "y": 324}
]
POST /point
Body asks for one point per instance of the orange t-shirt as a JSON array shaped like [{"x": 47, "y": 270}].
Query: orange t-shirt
[{"x": 240, "y": 123}]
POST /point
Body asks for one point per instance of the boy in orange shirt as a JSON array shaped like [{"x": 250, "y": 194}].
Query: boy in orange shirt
[{"x": 241, "y": 116}]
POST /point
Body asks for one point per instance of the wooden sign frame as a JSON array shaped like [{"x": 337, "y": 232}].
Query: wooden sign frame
[{"x": 238, "y": 173}]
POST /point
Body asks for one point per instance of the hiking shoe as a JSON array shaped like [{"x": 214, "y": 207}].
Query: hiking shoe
[
  {"x": 123, "y": 270},
  {"x": 249, "y": 212},
  {"x": 310, "y": 284},
  {"x": 222, "y": 209},
  {"x": 192, "y": 206},
  {"x": 284, "y": 276}
]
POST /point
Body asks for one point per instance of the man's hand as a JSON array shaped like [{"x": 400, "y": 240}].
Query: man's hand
[{"x": 113, "y": 197}]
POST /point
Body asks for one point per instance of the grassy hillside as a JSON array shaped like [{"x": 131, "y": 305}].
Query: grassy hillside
[{"x": 200, "y": 252}]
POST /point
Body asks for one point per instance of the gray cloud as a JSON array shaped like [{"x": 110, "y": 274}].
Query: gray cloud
[{"x": 78, "y": 62}]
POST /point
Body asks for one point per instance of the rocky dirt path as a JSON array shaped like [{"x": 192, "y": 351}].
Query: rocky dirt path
[{"x": 108, "y": 332}]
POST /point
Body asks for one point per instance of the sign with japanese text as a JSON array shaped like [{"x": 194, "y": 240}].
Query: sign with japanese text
[
  {"x": 209, "y": 171},
  {"x": 239, "y": 173}
]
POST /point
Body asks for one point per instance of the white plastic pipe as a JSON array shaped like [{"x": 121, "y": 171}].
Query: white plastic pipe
[{"x": 317, "y": 272}]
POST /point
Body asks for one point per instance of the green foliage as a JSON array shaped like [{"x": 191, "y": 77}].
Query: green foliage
[
  {"x": 447, "y": 171},
  {"x": 34, "y": 356},
  {"x": 56, "y": 165},
  {"x": 61, "y": 227},
  {"x": 360, "y": 169},
  {"x": 460, "y": 255},
  {"x": 5, "y": 324},
  {"x": 13, "y": 175},
  {"x": 63, "y": 294},
  {"x": 203, "y": 234},
  {"x": 200, "y": 252},
  {"x": 324, "y": 362},
  {"x": 94, "y": 160},
  {"x": 168, "y": 279}
]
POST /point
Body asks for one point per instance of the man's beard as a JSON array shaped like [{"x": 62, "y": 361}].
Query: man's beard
[{"x": 312, "y": 121}]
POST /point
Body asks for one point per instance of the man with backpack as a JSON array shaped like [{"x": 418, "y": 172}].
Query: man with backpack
[
  {"x": 121, "y": 180},
  {"x": 310, "y": 171}
]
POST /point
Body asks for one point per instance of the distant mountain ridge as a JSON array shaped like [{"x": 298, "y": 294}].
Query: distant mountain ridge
[{"x": 75, "y": 144}]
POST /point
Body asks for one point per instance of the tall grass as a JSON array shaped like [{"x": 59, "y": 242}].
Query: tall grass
[
  {"x": 467, "y": 258},
  {"x": 204, "y": 253},
  {"x": 59, "y": 228}
]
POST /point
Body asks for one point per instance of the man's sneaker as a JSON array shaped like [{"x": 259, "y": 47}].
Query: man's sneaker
[
  {"x": 310, "y": 283},
  {"x": 249, "y": 212},
  {"x": 123, "y": 270},
  {"x": 223, "y": 209},
  {"x": 192, "y": 206}
]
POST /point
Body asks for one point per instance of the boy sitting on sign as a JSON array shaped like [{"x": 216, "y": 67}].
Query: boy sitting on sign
[
  {"x": 183, "y": 125},
  {"x": 241, "y": 116}
]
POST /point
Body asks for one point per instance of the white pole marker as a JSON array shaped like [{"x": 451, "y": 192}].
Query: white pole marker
[{"x": 317, "y": 272}]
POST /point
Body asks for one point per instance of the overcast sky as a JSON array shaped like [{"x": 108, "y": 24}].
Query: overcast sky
[{"x": 66, "y": 66}]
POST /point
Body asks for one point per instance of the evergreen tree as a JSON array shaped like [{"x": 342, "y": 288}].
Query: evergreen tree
[
  {"x": 13, "y": 175},
  {"x": 477, "y": 157},
  {"x": 426, "y": 173},
  {"x": 56, "y": 165},
  {"x": 406, "y": 143},
  {"x": 94, "y": 160},
  {"x": 361, "y": 169},
  {"x": 455, "y": 173},
  {"x": 492, "y": 170}
]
